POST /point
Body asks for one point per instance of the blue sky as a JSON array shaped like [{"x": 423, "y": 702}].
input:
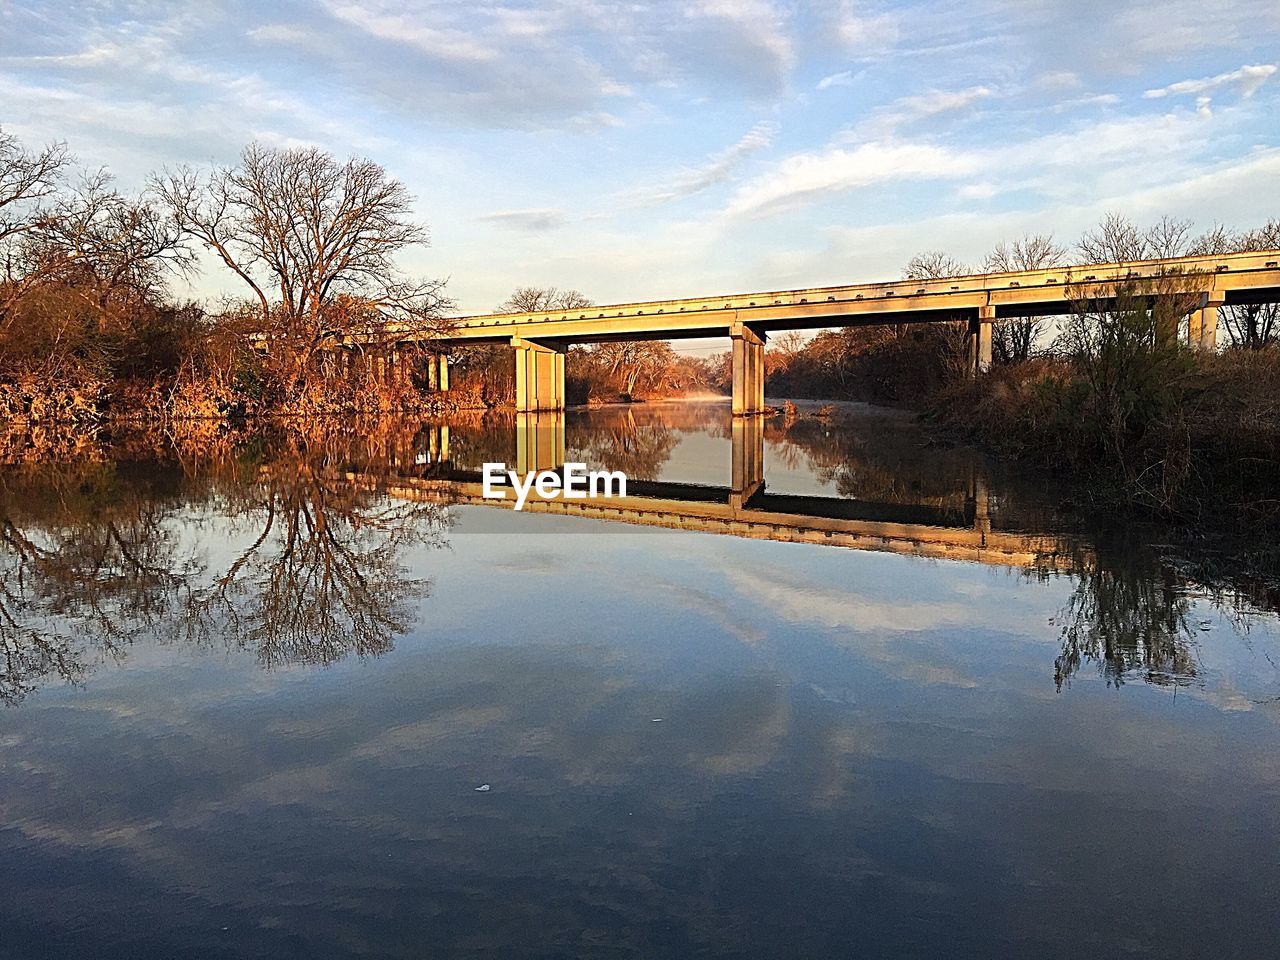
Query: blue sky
[{"x": 646, "y": 149}]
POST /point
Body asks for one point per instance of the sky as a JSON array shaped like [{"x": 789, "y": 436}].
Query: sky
[{"x": 642, "y": 149}]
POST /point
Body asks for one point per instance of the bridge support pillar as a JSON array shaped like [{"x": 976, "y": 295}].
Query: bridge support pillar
[
  {"x": 540, "y": 441},
  {"x": 1202, "y": 326},
  {"x": 437, "y": 372},
  {"x": 539, "y": 376},
  {"x": 400, "y": 366},
  {"x": 979, "y": 340},
  {"x": 748, "y": 370},
  {"x": 748, "y": 460}
]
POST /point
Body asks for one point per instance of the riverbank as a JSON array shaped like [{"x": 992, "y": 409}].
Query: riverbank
[{"x": 1192, "y": 439}]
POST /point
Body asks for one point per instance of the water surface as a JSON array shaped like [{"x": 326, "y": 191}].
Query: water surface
[{"x": 252, "y": 684}]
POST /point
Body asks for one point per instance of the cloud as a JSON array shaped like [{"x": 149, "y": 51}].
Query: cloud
[
  {"x": 718, "y": 169},
  {"x": 1245, "y": 81},
  {"x": 754, "y": 32},
  {"x": 533, "y": 220},
  {"x": 861, "y": 33},
  {"x": 559, "y": 65},
  {"x": 923, "y": 106},
  {"x": 806, "y": 177},
  {"x": 391, "y": 22},
  {"x": 278, "y": 33},
  {"x": 846, "y": 78},
  {"x": 1083, "y": 160},
  {"x": 1096, "y": 100}
]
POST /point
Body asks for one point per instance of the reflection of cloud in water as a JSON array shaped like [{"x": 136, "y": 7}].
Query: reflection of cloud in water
[
  {"x": 538, "y": 562},
  {"x": 718, "y": 610}
]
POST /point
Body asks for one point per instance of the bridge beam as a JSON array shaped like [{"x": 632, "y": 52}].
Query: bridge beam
[
  {"x": 748, "y": 370},
  {"x": 539, "y": 376},
  {"x": 979, "y": 340}
]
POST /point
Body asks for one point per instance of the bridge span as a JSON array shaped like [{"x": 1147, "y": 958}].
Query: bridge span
[{"x": 540, "y": 340}]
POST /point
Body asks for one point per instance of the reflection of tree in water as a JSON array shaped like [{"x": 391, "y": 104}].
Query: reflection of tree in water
[
  {"x": 324, "y": 577},
  {"x": 1129, "y": 616},
  {"x": 881, "y": 460},
  {"x": 621, "y": 442},
  {"x": 94, "y": 556},
  {"x": 87, "y": 562}
]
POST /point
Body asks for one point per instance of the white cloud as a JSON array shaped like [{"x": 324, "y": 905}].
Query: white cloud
[
  {"x": 1245, "y": 81},
  {"x": 1123, "y": 149},
  {"x": 862, "y": 33},
  {"x": 718, "y": 168},
  {"x": 846, "y": 78},
  {"x": 809, "y": 176},
  {"x": 278, "y": 33},
  {"x": 922, "y": 106},
  {"x": 1096, "y": 100},
  {"x": 390, "y": 22},
  {"x": 532, "y": 220}
]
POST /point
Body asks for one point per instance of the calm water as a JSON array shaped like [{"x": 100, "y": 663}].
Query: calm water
[{"x": 251, "y": 685}]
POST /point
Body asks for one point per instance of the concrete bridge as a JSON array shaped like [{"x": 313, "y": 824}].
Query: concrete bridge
[
  {"x": 743, "y": 509},
  {"x": 540, "y": 340}
]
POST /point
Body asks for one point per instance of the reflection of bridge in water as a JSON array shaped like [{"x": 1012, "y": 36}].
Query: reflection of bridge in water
[{"x": 745, "y": 508}]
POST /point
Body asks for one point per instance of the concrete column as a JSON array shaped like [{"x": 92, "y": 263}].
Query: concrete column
[
  {"x": 432, "y": 373},
  {"x": 539, "y": 376},
  {"x": 748, "y": 371},
  {"x": 1202, "y": 329},
  {"x": 981, "y": 507},
  {"x": 748, "y": 460},
  {"x": 442, "y": 372},
  {"x": 979, "y": 340},
  {"x": 540, "y": 440}
]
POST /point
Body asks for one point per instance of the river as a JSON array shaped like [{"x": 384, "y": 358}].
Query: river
[{"x": 281, "y": 694}]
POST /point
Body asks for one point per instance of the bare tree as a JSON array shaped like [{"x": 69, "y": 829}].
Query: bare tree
[
  {"x": 539, "y": 299},
  {"x": 1114, "y": 240},
  {"x": 936, "y": 265},
  {"x": 636, "y": 366},
  {"x": 110, "y": 250},
  {"x": 83, "y": 266},
  {"x": 1014, "y": 338},
  {"x": 28, "y": 179},
  {"x": 933, "y": 265},
  {"x": 316, "y": 242},
  {"x": 1117, "y": 239}
]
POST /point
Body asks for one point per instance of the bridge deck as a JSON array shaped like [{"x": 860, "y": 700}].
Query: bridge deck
[{"x": 1231, "y": 278}]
